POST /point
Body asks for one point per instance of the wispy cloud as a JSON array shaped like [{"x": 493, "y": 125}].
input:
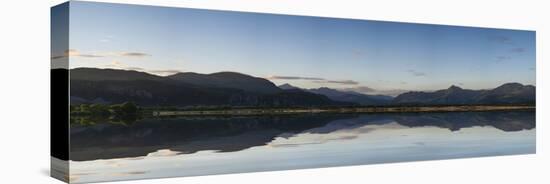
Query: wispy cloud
[
  {"x": 500, "y": 39},
  {"x": 346, "y": 82},
  {"x": 370, "y": 91},
  {"x": 416, "y": 73},
  {"x": 134, "y": 54},
  {"x": 502, "y": 58},
  {"x": 107, "y": 39},
  {"x": 120, "y": 65},
  {"x": 517, "y": 50},
  {"x": 361, "y": 89},
  {"x": 164, "y": 72},
  {"x": 314, "y": 79},
  {"x": 75, "y": 53},
  {"x": 89, "y": 55},
  {"x": 357, "y": 53},
  {"x": 276, "y": 77},
  {"x": 134, "y": 68}
]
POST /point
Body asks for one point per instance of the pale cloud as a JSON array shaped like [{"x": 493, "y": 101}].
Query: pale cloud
[
  {"x": 314, "y": 79},
  {"x": 502, "y": 58},
  {"x": 500, "y": 39},
  {"x": 345, "y": 82},
  {"x": 122, "y": 66},
  {"x": 116, "y": 65},
  {"x": 134, "y": 54},
  {"x": 71, "y": 52},
  {"x": 372, "y": 91},
  {"x": 361, "y": 89},
  {"x": 75, "y": 53},
  {"x": 358, "y": 53},
  {"x": 164, "y": 72},
  {"x": 517, "y": 50},
  {"x": 416, "y": 73},
  {"x": 134, "y": 68},
  {"x": 163, "y": 153},
  {"x": 292, "y": 78}
]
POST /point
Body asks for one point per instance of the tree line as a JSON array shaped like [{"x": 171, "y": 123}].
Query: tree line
[{"x": 123, "y": 109}]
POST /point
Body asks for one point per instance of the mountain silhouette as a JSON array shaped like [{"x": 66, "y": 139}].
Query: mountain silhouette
[
  {"x": 231, "y": 80},
  {"x": 354, "y": 97},
  {"x": 509, "y": 93},
  {"x": 108, "y": 86},
  {"x": 287, "y": 86}
]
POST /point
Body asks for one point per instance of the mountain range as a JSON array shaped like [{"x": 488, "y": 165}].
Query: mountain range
[
  {"x": 93, "y": 85},
  {"x": 509, "y": 93},
  {"x": 346, "y": 96}
]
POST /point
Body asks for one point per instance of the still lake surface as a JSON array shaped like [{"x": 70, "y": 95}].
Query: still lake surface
[{"x": 153, "y": 148}]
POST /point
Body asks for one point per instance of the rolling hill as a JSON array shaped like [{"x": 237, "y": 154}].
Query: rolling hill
[{"x": 92, "y": 85}]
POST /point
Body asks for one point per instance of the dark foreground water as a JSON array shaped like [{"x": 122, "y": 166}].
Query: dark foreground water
[{"x": 153, "y": 148}]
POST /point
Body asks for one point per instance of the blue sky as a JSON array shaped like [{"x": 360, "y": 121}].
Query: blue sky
[{"x": 307, "y": 52}]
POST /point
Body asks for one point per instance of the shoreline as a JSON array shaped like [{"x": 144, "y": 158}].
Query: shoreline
[{"x": 283, "y": 111}]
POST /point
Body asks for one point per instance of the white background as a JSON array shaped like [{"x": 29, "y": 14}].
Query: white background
[{"x": 24, "y": 89}]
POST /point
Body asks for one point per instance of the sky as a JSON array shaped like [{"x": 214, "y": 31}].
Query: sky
[{"x": 307, "y": 52}]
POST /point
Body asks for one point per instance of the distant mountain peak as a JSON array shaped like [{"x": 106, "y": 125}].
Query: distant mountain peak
[
  {"x": 231, "y": 74},
  {"x": 227, "y": 79},
  {"x": 351, "y": 96},
  {"x": 326, "y": 88},
  {"x": 453, "y": 87},
  {"x": 287, "y": 86},
  {"x": 511, "y": 85}
]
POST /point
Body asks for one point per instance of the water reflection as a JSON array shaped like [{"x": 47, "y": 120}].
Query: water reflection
[{"x": 106, "y": 140}]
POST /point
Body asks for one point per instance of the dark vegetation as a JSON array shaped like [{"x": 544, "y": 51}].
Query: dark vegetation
[{"x": 91, "y": 114}]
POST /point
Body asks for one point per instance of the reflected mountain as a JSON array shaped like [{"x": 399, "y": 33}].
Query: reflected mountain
[
  {"x": 106, "y": 140},
  {"x": 506, "y": 121}
]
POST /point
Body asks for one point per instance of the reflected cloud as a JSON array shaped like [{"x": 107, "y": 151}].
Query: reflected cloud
[
  {"x": 163, "y": 153},
  {"x": 129, "y": 173}
]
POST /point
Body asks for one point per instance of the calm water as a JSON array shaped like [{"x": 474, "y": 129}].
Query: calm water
[{"x": 154, "y": 148}]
